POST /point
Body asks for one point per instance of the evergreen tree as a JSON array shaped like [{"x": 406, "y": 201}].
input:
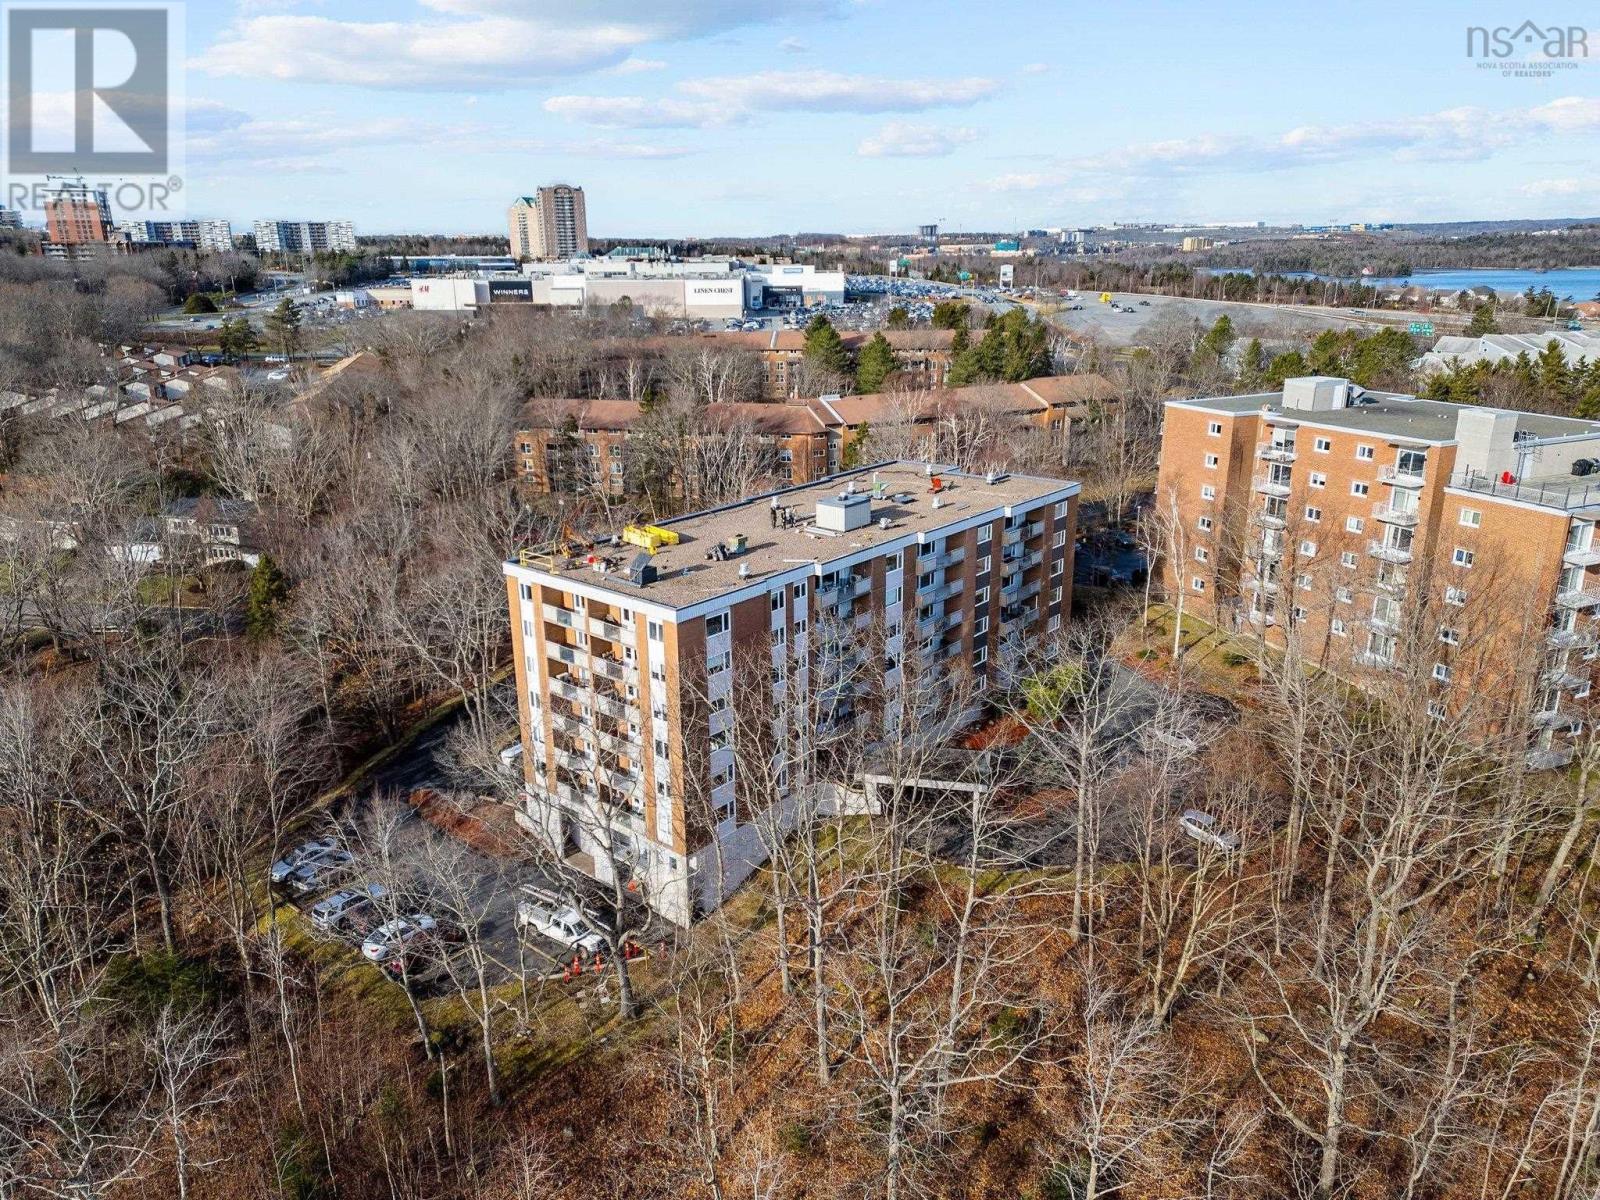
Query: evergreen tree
[
  {"x": 198, "y": 304},
  {"x": 268, "y": 590},
  {"x": 1219, "y": 339},
  {"x": 951, "y": 314},
  {"x": 284, "y": 325},
  {"x": 825, "y": 348},
  {"x": 1482, "y": 321},
  {"x": 237, "y": 337},
  {"x": 1253, "y": 365},
  {"x": 874, "y": 364},
  {"x": 858, "y": 449},
  {"x": 1555, "y": 378},
  {"x": 898, "y": 318}
]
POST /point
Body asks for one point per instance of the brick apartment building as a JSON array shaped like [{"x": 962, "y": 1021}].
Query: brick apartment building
[
  {"x": 629, "y": 663},
  {"x": 921, "y": 356},
  {"x": 806, "y": 440},
  {"x": 76, "y": 215},
  {"x": 1388, "y": 532}
]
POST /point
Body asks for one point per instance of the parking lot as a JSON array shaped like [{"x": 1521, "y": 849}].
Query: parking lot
[
  {"x": 427, "y": 870},
  {"x": 1268, "y": 322}
]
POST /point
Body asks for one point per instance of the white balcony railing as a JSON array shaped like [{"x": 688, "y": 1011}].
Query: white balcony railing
[
  {"x": 1410, "y": 477},
  {"x": 1579, "y": 598},
  {"x": 1391, "y": 515},
  {"x": 1272, "y": 485},
  {"x": 1389, "y": 552}
]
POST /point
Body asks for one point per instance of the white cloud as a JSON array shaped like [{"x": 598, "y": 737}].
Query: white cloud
[
  {"x": 1449, "y": 135},
  {"x": 636, "y": 112},
  {"x": 905, "y": 139},
  {"x": 1555, "y": 187},
  {"x": 478, "y": 44},
  {"x": 793, "y": 45},
  {"x": 830, "y": 91},
  {"x": 634, "y": 66},
  {"x": 1036, "y": 69},
  {"x": 710, "y": 102}
]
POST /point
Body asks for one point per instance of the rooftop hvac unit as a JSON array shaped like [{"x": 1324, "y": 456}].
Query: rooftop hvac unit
[
  {"x": 844, "y": 513},
  {"x": 641, "y": 570}
]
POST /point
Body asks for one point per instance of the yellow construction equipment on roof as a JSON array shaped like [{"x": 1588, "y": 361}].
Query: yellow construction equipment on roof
[{"x": 649, "y": 537}]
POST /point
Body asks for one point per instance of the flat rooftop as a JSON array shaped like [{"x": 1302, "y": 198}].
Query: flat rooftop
[
  {"x": 1389, "y": 415},
  {"x": 685, "y": 576}
]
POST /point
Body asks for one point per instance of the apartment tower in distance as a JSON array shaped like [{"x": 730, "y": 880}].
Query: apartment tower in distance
[
  {"x": 551, "y": 223},
  {"x": 77, "y": 215},
  {"x": 635, "y": 657},
  {"x": 1453, "y": 543},
  {"x": 305, "y": 237}
]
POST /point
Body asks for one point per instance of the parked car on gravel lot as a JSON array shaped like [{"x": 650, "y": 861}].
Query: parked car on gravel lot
[
  {"x": 335, "y": 912},
  {"x": 1203, "y": 828},
  {"x": 393, "y": 936},
  {"x": 319, "y": 872},
  {"x": 298, "y": 857}
]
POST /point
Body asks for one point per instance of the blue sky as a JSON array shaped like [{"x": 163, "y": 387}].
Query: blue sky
[{"x": 757, "y": 116}]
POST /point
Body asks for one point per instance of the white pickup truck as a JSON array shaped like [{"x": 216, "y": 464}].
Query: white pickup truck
[{"x": 562, "y": 923}]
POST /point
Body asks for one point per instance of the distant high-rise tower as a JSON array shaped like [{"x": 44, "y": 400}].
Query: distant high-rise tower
[
  {"x": 76, "y": 214},
  {"x": 551, "y": 223}
]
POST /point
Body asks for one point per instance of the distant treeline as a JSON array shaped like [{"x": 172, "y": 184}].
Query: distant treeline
[{"x": 1578, "y": 246}]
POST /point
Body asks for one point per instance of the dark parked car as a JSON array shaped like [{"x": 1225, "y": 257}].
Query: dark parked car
[
  {"x": 342, "y": 909},
  {"x": 299, "y": 857}
]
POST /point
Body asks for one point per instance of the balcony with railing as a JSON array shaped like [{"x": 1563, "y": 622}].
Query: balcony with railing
[
  {"x": 1276, "y": 452},
  {"x": 563, "y": 617},
  {"x": 1267, "y": 519},
  {"x": 1390, "y": 552},
  {"x": 567, "y": 689},
  {"x": 563, "y": 653},
  {"x": 1562, "y": 680},
  {"x": 1390, "y": 514},
  {"x": 1408, "y": 476},
  {"x": 614, "y": 707},
  {"x": 1549, "y": 758},
  {"x": 608, "y": 630},
  {"x": 1578, "y": 598},
  {"x": 1587, "y": 556},
  {"x": 1556, "y": 718},
  {"x": 568, "y": 725},
  {"x": 615, "y": 669},
  {"x": 1564, "y": 492},
  {"x": 1272, "y": 485},
  {"x": 941, "y": 593},
  {"x": 941, "y": 562},
  {"x": 845, "y": 591},
  {"x": 1572, "y": 639}
]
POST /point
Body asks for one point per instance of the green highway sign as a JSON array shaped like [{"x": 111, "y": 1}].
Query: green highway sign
[{"x": 1423, "y": 328}]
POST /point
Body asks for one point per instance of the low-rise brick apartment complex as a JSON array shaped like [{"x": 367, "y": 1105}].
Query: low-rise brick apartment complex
[
  {"x": 1385, "y": 532},
  {"x": 632, "y": 666},
  {"x": 805, "y": 440}
]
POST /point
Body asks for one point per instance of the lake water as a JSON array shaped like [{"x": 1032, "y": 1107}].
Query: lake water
[{"x": 1581, "y": 283}]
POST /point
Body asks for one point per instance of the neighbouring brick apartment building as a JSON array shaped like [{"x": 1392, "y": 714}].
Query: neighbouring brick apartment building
[
  {"x": 627, "y": 671},
  {"x": 806, "y": 440},
  {"x": 1382, "y": 530}
]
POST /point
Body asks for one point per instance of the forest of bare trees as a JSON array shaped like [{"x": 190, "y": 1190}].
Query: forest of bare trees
[{"x": 1382, "y": 981}]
